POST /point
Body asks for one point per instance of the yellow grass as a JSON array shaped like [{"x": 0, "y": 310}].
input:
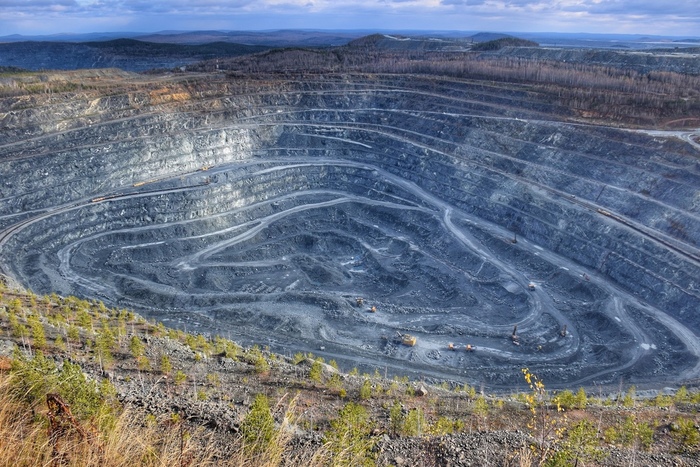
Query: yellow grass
[{"x": 133, "y": 440}]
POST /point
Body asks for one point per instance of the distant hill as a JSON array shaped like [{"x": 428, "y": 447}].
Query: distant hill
[
  {"x": 488, "y": 36},
  {"x": 134, "y": 55},
  {"x": 331, "y": 38},
  {"x": 478, "y": 42},
  {"x": 70, "y": 37},
  {"x": 498, "y": 44},
  {"x": 126, "y": 54},
  {"x": 413, "y": 43},
  {"x": 280, "y": 38},
  {"x": 139, "y": 48}
]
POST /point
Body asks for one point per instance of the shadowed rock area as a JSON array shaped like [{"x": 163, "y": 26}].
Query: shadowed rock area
[{"x": 466, "y": 212}]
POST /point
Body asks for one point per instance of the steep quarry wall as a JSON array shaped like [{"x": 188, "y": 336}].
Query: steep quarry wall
[{"x": 262, "y": 209}]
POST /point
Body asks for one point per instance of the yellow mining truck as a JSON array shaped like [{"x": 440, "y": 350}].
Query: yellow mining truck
[{"x": 407, "y": 339}]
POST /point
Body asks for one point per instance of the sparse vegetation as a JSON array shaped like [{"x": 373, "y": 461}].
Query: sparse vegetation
[
  {"x": 349, "y": 439},
  {"x": 316, "y": 371},
  {"x": 686, "y": 434},
  {"x": 107, "y": 432},
  {"x": 547, "y": 422},
  {"x": 258, "y": 427}
]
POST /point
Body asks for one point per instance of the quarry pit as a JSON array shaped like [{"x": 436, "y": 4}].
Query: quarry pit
[{"x": 338, "y": 213}]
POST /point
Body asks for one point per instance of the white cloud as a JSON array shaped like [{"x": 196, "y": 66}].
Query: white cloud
[{"x": 681, "y": 17}]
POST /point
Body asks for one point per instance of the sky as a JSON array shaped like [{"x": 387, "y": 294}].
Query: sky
[{"x": 643, "y": 17}]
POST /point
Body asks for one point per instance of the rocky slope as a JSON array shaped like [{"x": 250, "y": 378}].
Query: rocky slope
[
  {"x": 263, "y": 207},
  {"x": 199, "y": 392}
]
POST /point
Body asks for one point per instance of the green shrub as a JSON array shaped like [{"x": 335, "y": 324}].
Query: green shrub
[
  {"x": 214, "y": 379},
  {"x": 470, "y": 391},
  {"x": 83, "y": 394},
  {"x": 165, "y": 365},
  {"x": 629, "y": 397},
  {"x": 335, "y": 382},
  {"x": 73, "y": 334},
  {"x": 225, "y": 347},
  {"x": 105, "y": 343},
  {"x": 316, "y": 371},
  {"x": 255, "y": 356},
  {"x": 611, "y": 435},
  {"x": 663, "y": 400},
  {"x": 179, "y": 378},
  {"x": 396, "y": 418},
  {"x": 480, "y": 407},
  {"x": 191, "y": 342},
  {"x": 15, "y": 306},
  {"x": 17, "y": 329},
  {"x": 298, "y": 358},
  {"x": 136, "y": 347},
  {"x": 414, "y": 423},
  {"x": 695, "y": 398},
  {"x": 37, "y": 331},
  {"x": 33, "y": 378},
  {"x": 84, "y": 319},
  {"x": 60, "y": 343},
  {"x": 378, "y": 389},
  {"x": 685, "y": 434},
  {"x": 631, "y": 433},
  {"x": 645, "y": 435},
  {"x": 580, "y": 445},
  {"x": 258, "y": 427},
  {"x": 143, "y": 363},
  {"x": 566, "y": 399},
  {"x": 443, "y": 426},
  {"x": 261, "y": 365},
  {"x": 581, "y": 399},
  {"x": 681, "y": 395},
  {"x": 349, "y": 439},
  {"x": 366, "y": 390}
]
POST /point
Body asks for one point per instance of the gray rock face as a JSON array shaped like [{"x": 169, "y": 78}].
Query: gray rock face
[{"x": 262, "y": 210}]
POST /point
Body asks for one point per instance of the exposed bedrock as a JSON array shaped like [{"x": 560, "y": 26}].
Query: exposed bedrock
[{"x": 263, "y": 209}]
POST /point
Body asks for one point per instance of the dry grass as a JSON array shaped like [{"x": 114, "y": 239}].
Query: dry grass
[{"x": 27, "y": 440}]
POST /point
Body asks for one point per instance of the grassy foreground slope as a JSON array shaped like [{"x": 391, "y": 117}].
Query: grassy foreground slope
[{"x": 81, "y": 384}]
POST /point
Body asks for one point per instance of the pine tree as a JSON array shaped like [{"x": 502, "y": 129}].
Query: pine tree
[{"x": 258, "y": 427}]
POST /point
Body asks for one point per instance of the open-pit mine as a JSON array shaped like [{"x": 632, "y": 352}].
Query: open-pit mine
[{"x": 441, "y": 228}]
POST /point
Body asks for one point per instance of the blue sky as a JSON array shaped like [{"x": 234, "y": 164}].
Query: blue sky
[{"x": 658, "y": 17}]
